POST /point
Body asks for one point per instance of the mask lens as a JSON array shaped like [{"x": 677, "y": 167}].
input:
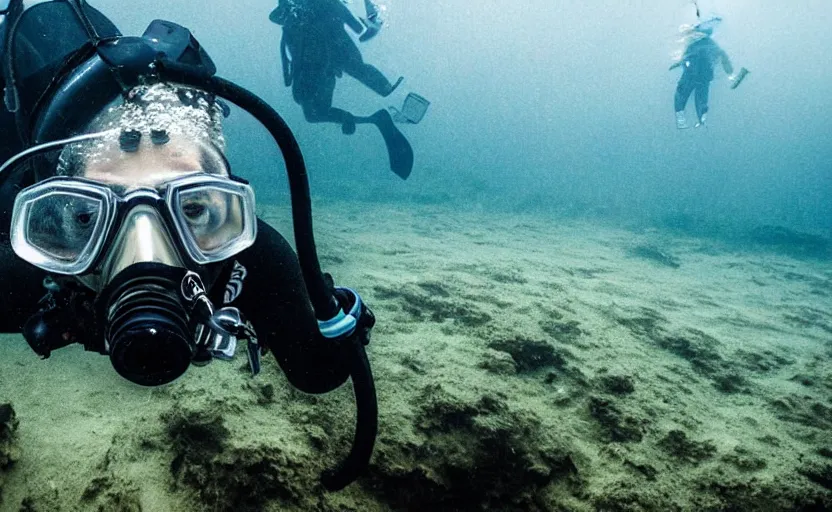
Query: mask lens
[
  {"x": 60, "y": 229},
  {"x": 214, "y": 220}
]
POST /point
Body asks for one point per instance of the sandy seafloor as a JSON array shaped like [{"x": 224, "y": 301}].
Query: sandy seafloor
[{"x": 522, "y": 363}]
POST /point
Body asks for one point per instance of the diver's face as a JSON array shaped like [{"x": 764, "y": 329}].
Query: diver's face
[{"x": 143, "y": 235}]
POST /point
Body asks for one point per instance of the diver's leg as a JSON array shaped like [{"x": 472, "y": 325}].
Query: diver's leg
[
  {"x": 683, "y": 91},
  {"x": 702, "y": 93},
  {"x": 317, "y": 106},
  {"x": 317, "y": 113},
  {"x": 367, "y": 74}
]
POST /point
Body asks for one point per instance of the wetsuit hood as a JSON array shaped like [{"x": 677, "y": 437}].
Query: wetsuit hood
[{"x": 33, "y": 63}]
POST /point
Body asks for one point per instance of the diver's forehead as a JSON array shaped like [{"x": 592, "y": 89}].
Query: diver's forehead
[{"x": 149, "y": 166}]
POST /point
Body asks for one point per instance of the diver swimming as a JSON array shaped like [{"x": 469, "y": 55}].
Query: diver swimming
[
  {"x": 315, "y": 50},
  {"x": 698, "y": 59},
  {"x": 132, "y": 235}
]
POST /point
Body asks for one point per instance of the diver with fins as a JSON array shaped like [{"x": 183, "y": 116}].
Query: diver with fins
[
  {"x": 698, "y": 59},
  {"x": 315, "y": 50},
  {"x": 131, "y": 234}
]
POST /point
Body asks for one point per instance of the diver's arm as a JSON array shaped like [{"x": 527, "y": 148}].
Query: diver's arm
[
  {"x": 726, "y": 62},
  {"x": 349, "y": 19},
  {"x": 723, "y": 57},
  {"x": 275, "y": 300},
  {"x": 20, "y": 289}
]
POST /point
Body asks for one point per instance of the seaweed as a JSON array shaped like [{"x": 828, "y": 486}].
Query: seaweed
[
  {"x": 223, "y": 476},
  {"x": 803, "y": 410},
  {"x": 697, "y": 348},
  {"x": 616, "y": 425},
  {"x": 9, "y": 451},
  {"x": 263, "y": 392},
  {"x": 762, "y": 362},
  {"x": 677, "y": 444},
  {"x": 617, "y": 384},
  {"x": 700, "y": 350},
  {"x": 811, "y": 317},
  {"x": 498, "y": 362},
  {"x": 721, "y": 491},
  {"x": 412, "y": 362},
  {"x": 431, "y": 301},
  {"x": 744, "y": 460},
  {"x": 111, "y": 493},
  {"x": 731, "y": 383},
  {"x": 475, "y": 453},
  {"x": 506, "y": 276},
  {"x": 434, "y": 288},
  {"x": 563, "y": 332},
  {"x": 647, "y": 325},
  {"x": 531, "y": 355},
  {"x": 630, "y": 495},
  {"x": 819, "y": 473}
]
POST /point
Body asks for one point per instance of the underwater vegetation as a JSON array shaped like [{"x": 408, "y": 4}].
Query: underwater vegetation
[
  {"x": 8, "y": 438},
  {"x": 565, "y": 385},
  {"x": 474, "y": 452}
]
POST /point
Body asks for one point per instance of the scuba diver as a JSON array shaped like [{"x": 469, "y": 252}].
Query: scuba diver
[
  {"x": 131, "y": 234},
  {"x": 699, "y": 57},
  {"x": 315, "y": 49}
]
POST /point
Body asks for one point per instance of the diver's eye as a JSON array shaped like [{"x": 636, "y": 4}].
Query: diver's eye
[
  {"x": 196, "y": 213},
  {"x": 84, "y": 219}
]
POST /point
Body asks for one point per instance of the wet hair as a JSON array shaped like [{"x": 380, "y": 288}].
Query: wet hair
[{"x": 151, "y": 112}]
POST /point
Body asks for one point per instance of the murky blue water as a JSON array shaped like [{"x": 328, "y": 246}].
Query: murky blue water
[{"x": 542, "y": 105}]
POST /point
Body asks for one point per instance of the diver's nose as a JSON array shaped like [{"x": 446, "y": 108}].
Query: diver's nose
[{"x": 142, "y": 238}]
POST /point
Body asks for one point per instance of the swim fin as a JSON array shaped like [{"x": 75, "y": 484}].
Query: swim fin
[
  {"x": 681, "y": 122},
  {"x": 398, "y": 148},
  {"x": 738, "y": 78},
  {"x": 373, "y": 22},
  {"x": 414, "y": 109}
]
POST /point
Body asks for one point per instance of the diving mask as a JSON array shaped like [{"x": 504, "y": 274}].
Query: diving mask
[{"x": 63, "y": 225}]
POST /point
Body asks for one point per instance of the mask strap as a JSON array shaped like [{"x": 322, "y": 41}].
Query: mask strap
[
  {"x": 77, "y": 7},
  {"x": 95, "y": 40},
  {"x": 46, "y": 146}
]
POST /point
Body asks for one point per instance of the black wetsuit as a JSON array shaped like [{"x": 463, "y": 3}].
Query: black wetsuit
[
  {"x": 698, "y": 72},
  {"x": 315, "y": 50},
  {"x": 274, "y": 299},
  {"x": 272, "y": 296}
]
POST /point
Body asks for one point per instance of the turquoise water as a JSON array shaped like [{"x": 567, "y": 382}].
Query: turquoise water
[{"x": 563, "y": 107}]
